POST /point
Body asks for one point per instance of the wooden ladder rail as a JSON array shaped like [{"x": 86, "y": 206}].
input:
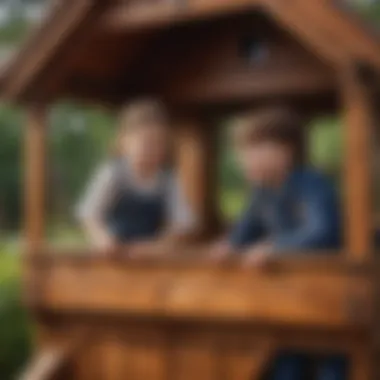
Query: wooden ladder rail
[{"x": 49, "y": 360}]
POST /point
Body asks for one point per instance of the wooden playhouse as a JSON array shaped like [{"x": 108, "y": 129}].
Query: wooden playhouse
[{"x": 183, "y": 318}]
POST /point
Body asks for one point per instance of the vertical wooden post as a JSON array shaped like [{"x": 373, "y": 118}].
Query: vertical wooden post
[
  {"x": 359, "y": 120},
  {"x": 35, "y": 160},
  {"x": 196, "y": 162},
  {"x": 362, "y": 363}
]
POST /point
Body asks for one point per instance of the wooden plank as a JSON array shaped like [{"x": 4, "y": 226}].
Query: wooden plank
[
  {"x": 88, "y": 364},
  {"x": 35, "y": 177},
  {"x": 345, "y": 30},
  {"x": 195, "y": 256},
  {"x": 130, "y": 16},
  {"x": 44, "y": 44},
  {"x": 196, "y": 159},
  {"x": 195, "y": 354},
  {"x": 359, "y": 123},
  {"x": 45, "y": 365},
  {"x": 145, "y": 354},
  {"x": 247, "y": 362},
  {"x": 51, "y": 358},
  {"x": 244, "y": 85},
  {"x": 302, "y": 25},
  {"x": 114, "y": 358},
  {"x": 307, "y": 298},
  {"x": 362, "y": 362}
]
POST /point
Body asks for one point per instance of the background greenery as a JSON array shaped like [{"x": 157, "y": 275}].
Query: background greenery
[{"x": 78, "y": 139}]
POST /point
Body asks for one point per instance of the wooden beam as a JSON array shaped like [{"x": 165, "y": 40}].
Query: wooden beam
[
  {"x": 308, "y": 298},
  {"x": 60, "y": 27},
  {"x": 244, "y": 85},
  {"x": 358, "y": 130},
  {"x": 49, "y": 360},
  {"x": 345, "y": 29},
  {"x": 136, "y": 15},
  {"x": 35, "y": 178},
  {"x": 362, "y": 361},
  {"x": 249, "y": 363},
  {"x": 196, "y": 163},
  {"x": 301, "y": 23}
]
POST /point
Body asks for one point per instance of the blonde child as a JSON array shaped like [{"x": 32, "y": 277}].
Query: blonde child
[{"x": 133, "y": 198}]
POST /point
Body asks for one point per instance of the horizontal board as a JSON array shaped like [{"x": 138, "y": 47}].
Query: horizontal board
[
  {"x": 285, "y": 295},
  {"x": 132, "y": 15}
]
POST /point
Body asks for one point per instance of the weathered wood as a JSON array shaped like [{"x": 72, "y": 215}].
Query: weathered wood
[{"x": 358, "y": 128}]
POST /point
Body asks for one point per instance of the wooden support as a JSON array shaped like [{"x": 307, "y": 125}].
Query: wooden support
[
  {"x": 362, "y": 361},
  {"x": 35, "y": 178},
  {"x": 309, "y": 297},
  {"x": 196, "y": 160},
  {"x": 49, "y": 361},
  {"x": 358, "y": 114},
  {"x": 135, "y": 15}
]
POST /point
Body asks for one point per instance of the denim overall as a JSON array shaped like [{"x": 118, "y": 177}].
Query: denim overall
[{"x": 136, "y": 215}]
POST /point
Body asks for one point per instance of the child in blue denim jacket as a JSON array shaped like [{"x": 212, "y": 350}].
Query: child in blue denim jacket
[{"x": 293, "y": 208}]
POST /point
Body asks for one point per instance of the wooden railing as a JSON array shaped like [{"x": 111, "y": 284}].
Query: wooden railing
[{"x": 322, "y": 291}]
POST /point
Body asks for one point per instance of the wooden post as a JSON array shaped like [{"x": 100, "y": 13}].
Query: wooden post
[
  {"x": 196, "y": 159},
  {"x": 35, "y": 160},
  {"x": 359, "y": 120}
]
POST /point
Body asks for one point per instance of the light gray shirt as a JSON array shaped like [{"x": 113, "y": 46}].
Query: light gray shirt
[{"x": 104, "y": 185}]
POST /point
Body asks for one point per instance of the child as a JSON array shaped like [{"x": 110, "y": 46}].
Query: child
[
  {"x": 132, "y": 198},
  {"x": 293, "y": 208}
]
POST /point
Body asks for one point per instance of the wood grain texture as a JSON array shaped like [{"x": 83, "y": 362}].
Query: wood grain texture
[
  {"x": 60, "y": 26},
  {"x": 135, "y": 348},
  {"x": 196, "y": 159},
  {"x": 359, "y": 119},
  {"x": 132, "y": 15},
  {"x": 307, "y": 298},
  {"x": 35, "y": 177}
]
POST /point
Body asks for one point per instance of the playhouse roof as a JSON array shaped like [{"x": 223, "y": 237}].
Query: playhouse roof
[{"x": 90, "y": 37}]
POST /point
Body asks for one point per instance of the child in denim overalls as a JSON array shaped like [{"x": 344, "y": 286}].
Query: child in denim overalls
[
  {"x": 132, "y": 198},
  {"x": 293, "y": 208}
]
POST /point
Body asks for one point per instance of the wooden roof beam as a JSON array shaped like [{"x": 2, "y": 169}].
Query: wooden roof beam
[
  {"x": 135, "y": 15},
  {"x": 345, "y": 29},
  {"x": 63, "y": 24},
  {"x": 298, "y": 19}
]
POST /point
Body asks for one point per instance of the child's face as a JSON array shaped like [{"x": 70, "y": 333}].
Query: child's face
[
  {"x": 146, "y": 147},
  {"x": 265, "y": 163}
]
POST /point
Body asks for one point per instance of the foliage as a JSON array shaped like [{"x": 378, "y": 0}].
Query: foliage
[
  {"x": 15, "y": 329},
  {"x": 13, "y": 32}
]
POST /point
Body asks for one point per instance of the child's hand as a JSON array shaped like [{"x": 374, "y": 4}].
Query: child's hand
[
  {"x": 220, "y": 250},
  {"x": 259, "y": 255},
  {"x": 105, "y": 244}
]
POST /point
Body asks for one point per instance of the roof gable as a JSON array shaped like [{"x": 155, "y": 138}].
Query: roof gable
[{"x": 330, "y": 32}]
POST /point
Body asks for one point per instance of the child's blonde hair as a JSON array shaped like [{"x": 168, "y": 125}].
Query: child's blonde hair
[
  {"x": 280, "y": 124},
  {"x": 139, "y": 114}
]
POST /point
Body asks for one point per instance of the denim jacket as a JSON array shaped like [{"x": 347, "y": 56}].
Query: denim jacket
[{"x": 303, "y": 214}]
